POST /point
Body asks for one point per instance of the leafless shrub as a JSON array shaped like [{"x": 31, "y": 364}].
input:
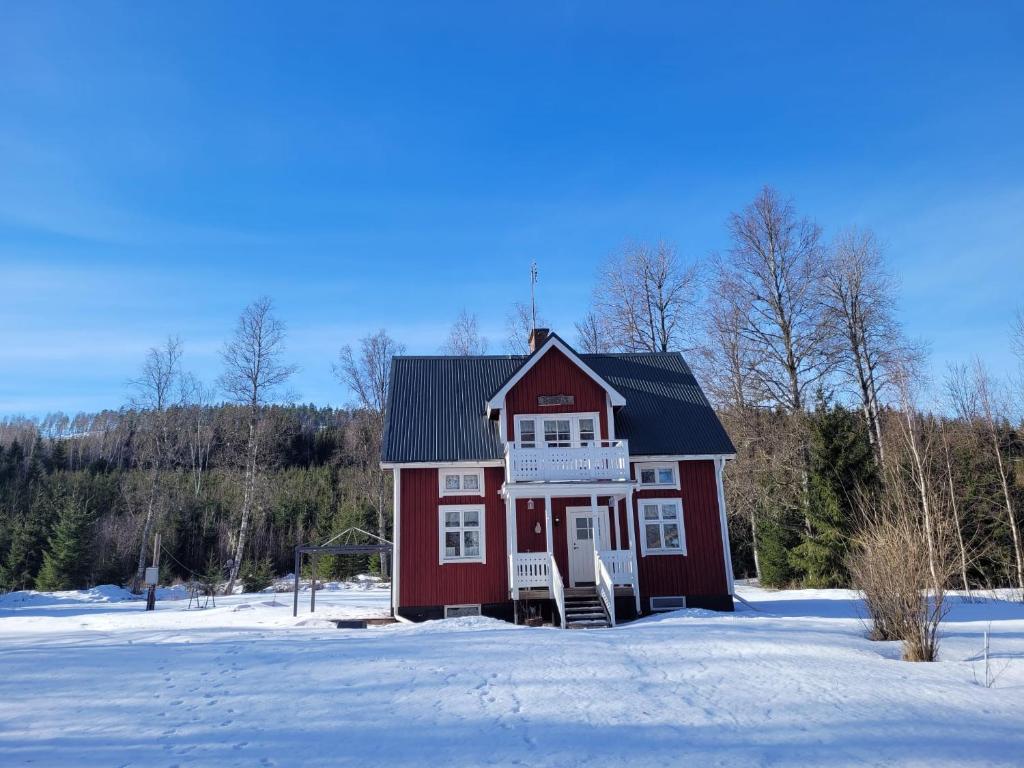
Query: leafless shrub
[{"x": 890, "y": 566}]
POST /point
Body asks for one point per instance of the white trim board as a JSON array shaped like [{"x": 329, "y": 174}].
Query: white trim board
[
  {"x": 469, "y": 463},
  {"x": 636, "y": 458}
]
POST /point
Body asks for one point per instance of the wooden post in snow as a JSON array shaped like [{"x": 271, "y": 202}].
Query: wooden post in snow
[{"x": 152, "y": 575}]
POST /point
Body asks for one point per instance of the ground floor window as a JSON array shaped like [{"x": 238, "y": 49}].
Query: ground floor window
[
  {"x": 455, "y": 611},
  {"x": 662, "y": 521},
  {"x": 461, "y": 533},
  {"x": 667, "y": 603}
]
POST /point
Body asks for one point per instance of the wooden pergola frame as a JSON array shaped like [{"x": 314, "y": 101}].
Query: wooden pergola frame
[{"x": 328, "y": 548}]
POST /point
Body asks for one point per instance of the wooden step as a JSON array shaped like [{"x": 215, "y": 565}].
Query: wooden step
[{"x": 587, "y": 624}]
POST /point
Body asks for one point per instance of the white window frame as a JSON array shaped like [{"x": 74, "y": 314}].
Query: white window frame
[
  {"x": 463, "y": 605},
  {"x": 678, "y": 504},
  {"x": 462, "y": 472},
  {"x": 574, "y": 426},
  {"x": 641, "y": 466},
  {"x": 442, "y": 510},
  {"x": 667, "y": 607}
]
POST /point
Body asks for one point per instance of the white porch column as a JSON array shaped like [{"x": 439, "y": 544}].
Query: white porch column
[
  {"x": 511, "y": 545},
  {"x": 618, "y": 531},
  {"x": 549, "y": 536},
  {"x": 597, "y": 522},
  {"x": 511, "y": 531},
  {"x": 631, "y": 524}
]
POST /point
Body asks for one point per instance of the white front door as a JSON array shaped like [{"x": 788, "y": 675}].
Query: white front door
[{"x": 582, "y": 537}]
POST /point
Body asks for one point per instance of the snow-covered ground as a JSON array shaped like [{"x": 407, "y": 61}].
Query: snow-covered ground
[{"x": 90, "y": 679}]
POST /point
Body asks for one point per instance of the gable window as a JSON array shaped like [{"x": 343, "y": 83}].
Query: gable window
[
  {"x": 461, "y": 481},
  {"x": 662, "y": 522},
  {"x": 461, "y": 533},
  {"x": 658, "y": 475}
]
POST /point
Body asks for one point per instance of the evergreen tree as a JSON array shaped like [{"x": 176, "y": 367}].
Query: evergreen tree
[
  {"x": 28, "y": 540},
  {"x": 257, "y": 575},
  {"x": 842, "y": 466},
  {"x": 777, "y": 535},
  {"x": 66, "y": 564}
]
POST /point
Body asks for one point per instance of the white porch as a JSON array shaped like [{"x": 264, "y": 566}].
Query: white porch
[{"x": 537, "y": 575}]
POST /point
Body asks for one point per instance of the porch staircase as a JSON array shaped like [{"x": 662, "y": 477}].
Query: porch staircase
[{"x": 584, "y": 609}]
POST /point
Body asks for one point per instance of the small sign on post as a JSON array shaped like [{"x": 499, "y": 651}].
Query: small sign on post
[{"x": 153, "y": 575}]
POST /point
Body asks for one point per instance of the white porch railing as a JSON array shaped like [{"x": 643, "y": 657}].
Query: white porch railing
[
  {"x": 529, "y": 569},
  {"x": 620, "y": 566},
  {"x": 605, "y": 586},
  {"x": 602, "y": 460},
  {"x": 558, "y": 590}
]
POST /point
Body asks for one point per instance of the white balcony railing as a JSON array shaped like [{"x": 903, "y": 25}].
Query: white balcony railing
[{"x": 601, "y": 460}]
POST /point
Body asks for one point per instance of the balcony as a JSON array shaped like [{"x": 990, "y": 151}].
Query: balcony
[{"x": 599, "y": 460}]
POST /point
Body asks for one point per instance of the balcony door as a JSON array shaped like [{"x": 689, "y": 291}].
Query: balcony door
[{"x": 588, "y": 528}]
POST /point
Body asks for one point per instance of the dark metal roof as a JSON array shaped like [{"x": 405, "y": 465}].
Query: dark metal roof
[{"x": 435, "y": 410}]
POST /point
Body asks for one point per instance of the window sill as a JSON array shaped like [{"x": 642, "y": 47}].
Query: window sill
[
  {"x": 661, "y": 552},
  {"x": 452, "y": 494},
  {"x": 462, "y": 560},
  {"x": 650, "y": 487}
]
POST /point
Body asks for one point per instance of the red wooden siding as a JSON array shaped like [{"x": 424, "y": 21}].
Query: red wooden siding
[
  {"x": 701, "y": 571},
  {"x": 556, "y": 374},
  {"x": 425, "y": 582}
]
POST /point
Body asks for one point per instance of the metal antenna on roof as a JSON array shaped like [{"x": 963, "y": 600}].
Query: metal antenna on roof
[{"x": 533, "y": 297}]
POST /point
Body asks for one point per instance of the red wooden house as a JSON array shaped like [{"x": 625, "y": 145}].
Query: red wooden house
[{"x": 586, "y": 489}]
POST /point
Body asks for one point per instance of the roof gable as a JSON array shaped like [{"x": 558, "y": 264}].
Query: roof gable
[{"x": 496, "y": 401}]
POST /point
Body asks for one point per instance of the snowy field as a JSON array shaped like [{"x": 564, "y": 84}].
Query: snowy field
[{"x": 90, "y": 679}]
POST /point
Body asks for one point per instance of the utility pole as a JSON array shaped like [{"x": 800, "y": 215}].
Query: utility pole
[
  {"x": 153, "y": 574},
  {"x": 533, "y": 297}
]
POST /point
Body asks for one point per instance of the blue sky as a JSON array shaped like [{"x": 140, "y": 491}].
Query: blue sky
[{"x": 161, "y": 166}]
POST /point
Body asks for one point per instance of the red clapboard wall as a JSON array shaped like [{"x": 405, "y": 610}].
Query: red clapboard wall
[
  {"x": 701, "y": 571},
  {"x": 425, "y": 582},
  {"x": 555, "y": 374}
]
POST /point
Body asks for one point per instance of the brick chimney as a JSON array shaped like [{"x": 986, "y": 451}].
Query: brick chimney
[{"x": 537, "y": 338}]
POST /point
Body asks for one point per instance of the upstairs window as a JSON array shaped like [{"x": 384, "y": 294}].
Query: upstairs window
[
  {"x": 461, "y": 482},
  {"x": 528, "y": 433},
  {"x": 587, "y": 431},
  {"x": 658, "y": 475},
  {"x": 663, "y": 532},
  {"x": 461, "y": 534}
]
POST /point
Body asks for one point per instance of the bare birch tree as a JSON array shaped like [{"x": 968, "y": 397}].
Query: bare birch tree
[
  {"x": 645, "y": 298},
  {"x": 253, "y": 374},
  {"x": 918, "y": 444},
  {"x": 772, "y": 276},
  {"x": 860, "y": 302},
  {"x": 592, "y": 335},
  {"x": 464, "y": 338},
  {"x": 158, "y": 388},
  {"x": 518, "y": 324},
  {"x": 988, "y": 405},
  {"x": 366, "y": 374}
]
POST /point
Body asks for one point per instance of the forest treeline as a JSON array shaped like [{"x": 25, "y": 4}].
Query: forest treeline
[
  {"x": 75, "y": 494},
  {"x": 846, "y": 449}
]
